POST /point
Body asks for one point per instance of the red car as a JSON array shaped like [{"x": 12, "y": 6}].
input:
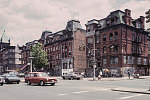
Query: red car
[{"x": 39, "y": 78}]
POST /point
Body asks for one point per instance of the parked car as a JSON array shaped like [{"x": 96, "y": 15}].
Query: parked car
[
  {"x": 1, "y": 80},
  {"x": 40, "y": 78},
  {"x": 11, "y": 78},
  {"x": 72, "y": 76},
  {"x": 21, "y": 75}
]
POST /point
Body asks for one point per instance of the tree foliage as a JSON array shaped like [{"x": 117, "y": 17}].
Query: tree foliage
[{"x": 40, "y": 56}]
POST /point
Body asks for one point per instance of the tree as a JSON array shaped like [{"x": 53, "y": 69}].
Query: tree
[{"x": 40, "y": 56}]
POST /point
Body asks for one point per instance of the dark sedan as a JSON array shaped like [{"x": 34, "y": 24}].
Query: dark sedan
[{"x": 11, "y": 78}]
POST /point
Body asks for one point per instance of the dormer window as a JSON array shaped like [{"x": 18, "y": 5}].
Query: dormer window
[
  {"x": 92, "y": 28},
  {"x": 88, "y": 29},
  {"x": 138, "y": 25},
  {"x": 112, "y": 21}
]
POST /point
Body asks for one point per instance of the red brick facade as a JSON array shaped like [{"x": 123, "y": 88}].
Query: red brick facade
[{"x": 121, "y": 43}]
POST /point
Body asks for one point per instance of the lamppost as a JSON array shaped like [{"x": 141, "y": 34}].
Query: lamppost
[
  {"x": 94, "y": 65},
  {"x": 31, "y": 63},
  {"x": 31, "y": 58}
]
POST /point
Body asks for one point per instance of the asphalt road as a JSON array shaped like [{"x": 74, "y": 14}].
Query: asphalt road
[{"x": 76, "y": 90}]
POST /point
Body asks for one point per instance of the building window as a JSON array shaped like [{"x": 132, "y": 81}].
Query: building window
[
  {"x": 133, "y": 37},
  {"x": 138, "y": 61},
  {"x": 125, "y": 60},
  {"x": 133, "y": 60},
  {"x": 88, "y": 29},
  {"x": 110, "y": 36},
  {"x": 116, "y": 35},
  {"x": 133, "y": 49},
  {"x": 104, "y": 37},
  {"x": 98, "y": 51},
  {"x": 69, "y": 42},
  {"x": 69, "y": 53},
  {"x": 144, "y": 61},
  {"x": 140, "y": 51},
  {"x": 139, "y": 39},
  {"x": 138, "y": 25},
  {"x": 104, "y": 49},
  {"x": 129, "y": 60},
  {"x": 112, "y": 49},
  {"x": 98, "y": 39},
  {"x": 65, "y": 66},
  {"x": 104, "y": 61},
  {"x": 90, "y": 41},
  {"x": 92, "y": 28},
  {"x": 116, "y": 48},
  {"x": 114, "y": 60}
]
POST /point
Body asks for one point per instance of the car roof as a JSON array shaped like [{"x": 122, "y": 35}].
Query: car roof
[{"x": 35, "y": 72}]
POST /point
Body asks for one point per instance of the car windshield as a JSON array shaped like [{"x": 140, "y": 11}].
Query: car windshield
[
  {"x": 10, "y": 75},
  {"x": 43, "y": 75}
]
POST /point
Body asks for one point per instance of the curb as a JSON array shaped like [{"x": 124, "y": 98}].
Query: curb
[{"x": 140, "y": 92}]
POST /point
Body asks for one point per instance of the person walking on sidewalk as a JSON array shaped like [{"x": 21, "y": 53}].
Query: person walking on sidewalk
[
  {"x": 100, "y": 75},
  {"x": 129, "y": 74}
]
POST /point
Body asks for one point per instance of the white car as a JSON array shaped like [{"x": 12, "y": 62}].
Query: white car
[{"x": 72, "y": 76}]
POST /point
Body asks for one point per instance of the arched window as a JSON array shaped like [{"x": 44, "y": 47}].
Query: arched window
[
  {"x": 111, "y": 37},
  {"x": 104, "y": 37},
  {"x": 116, "y": 35},
  {"x": 104, "y": 49}
]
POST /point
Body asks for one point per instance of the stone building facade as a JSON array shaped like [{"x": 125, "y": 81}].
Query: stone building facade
[{"x": 121, "y": 43}]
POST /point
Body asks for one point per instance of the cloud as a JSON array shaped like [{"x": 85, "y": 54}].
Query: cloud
[{"x": 24, "y": 20}]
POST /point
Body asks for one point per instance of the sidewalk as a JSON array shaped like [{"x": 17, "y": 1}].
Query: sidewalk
[{"x": 115, "y": 78}]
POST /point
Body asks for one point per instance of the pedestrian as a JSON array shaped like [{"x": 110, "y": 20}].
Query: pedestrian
[
  {"x": 129, "y": 74},
  {"x": 100, "y": 75}
]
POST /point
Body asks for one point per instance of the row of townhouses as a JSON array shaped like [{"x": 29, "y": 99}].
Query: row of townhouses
[{"x": 114, "y": 44}]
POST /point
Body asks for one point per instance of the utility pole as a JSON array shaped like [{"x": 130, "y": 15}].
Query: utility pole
[
  {"x": 94, "y": 65},
  {"x": 31, "y": 58}
]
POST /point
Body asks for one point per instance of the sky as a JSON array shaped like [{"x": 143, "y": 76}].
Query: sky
[{"x": 25, "y": 20}]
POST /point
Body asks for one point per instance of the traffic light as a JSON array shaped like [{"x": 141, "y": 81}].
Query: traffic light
[{"x": 147, "y": 16}]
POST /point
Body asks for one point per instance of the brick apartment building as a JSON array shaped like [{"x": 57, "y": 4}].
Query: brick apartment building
[
  {"x": 11, "y": 58},
  {"x": 121, "y": 43},
  {"x": 63, "y": 50}
]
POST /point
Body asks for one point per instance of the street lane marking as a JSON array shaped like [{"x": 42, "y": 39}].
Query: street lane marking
[
  {"x": 64, "y": 94},
  {"x": 79, "y": 92},
  {"x": 127, "y": 97}
]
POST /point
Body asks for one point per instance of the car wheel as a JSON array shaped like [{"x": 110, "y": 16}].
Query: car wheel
[
  {"x": 71, "y": 78},
  {"x": 1, "y": 84},
  {"x": 41, "y": 83},
  {"x": 78, "y": 78},
  {"x": 63, "y": 77},
  {"x": 28, "y": 82},
  {"x": 17, "y": 82},
  {"x": 53, "y": 84}
]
